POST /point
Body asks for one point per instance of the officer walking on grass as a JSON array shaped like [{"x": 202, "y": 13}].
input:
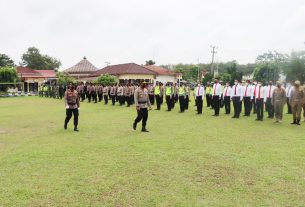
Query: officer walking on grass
[
  {"x": 72, "y": 106},
  {"x": 141, "y": 99}
]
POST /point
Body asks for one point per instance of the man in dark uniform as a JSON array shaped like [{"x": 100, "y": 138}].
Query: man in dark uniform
[
  {"x": 72, "y": 106},
  {"x": 142, "y": 102}
]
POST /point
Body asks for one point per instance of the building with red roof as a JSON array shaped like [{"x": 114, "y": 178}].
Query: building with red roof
[
  {"x": 164, "y": 75},
  {"x": 32, "y": 78}
]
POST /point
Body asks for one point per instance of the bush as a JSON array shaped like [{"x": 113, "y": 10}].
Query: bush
[{"x": 107, "y": 79}]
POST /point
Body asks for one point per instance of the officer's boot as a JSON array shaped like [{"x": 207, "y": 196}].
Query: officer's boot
[
  {"x": 76, "y": 129},
  {"x": 298, "y": 122},
  {"x": 144, "y": 129},
  {"x": 294, "y": 121},
  {"x": 65, "y": 125},
  {"x": 134, "y": 126}
]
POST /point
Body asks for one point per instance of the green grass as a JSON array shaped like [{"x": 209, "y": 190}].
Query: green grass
[{"x": 185, "y": 160}]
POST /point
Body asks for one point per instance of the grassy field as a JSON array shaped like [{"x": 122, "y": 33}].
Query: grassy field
[{"x": 185, "y": 160}]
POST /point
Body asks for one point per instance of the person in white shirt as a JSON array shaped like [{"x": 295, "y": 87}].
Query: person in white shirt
[
  {"x": 237, "y": 97},
  {"x": 217, "y": 91},
  {"x": 260, "y": 99},
  {"x": 269, "y": 106},
  {"x": 247, "y": 96},
  {"x": 288, "y": 92},
  {"x": 227, "y": 98},
  {"x": 254, "y": 88},
  {"x": 199, "y": 93}
]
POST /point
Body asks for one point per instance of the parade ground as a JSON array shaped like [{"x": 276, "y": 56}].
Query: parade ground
[{"x": 185, "y": 159}]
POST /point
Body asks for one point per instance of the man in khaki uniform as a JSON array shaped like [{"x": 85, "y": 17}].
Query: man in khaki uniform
[
  {"x": 127, "y": 95},
  {"x": 142, "y": 102},
  {"x": 112, "y": 93},
  {"x": 72, "y": 106},
  {"x": 278, "y": 101},
  {"x": 105, "y": 93},
  {"x": 296, "y": 101}
]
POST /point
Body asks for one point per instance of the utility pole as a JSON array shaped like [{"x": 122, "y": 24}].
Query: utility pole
[
  {"x": 198, "y": 70},
  {"x": 213, "y": 55}
]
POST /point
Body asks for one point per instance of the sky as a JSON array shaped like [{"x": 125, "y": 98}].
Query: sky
[{"x": 167, "y": 31}]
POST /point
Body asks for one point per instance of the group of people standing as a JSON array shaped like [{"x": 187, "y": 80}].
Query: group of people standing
[{"x": 254, "y": 96}]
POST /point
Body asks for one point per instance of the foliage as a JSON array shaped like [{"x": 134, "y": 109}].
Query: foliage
[
  {"x": 295, "y": 67},
  {"x": 107, "y": 79},
  {"x": 225, "y": 77},
  {"x": 269, "y": 66},
  {"x": 150, "y": 62},
  {"x": 8, "y": 75},
  {"x": 6, "y": 61},
  {"x": 33, "y": 59},
  {"x": 64, "y": 79},
  {"x": 207, "y": 78}
]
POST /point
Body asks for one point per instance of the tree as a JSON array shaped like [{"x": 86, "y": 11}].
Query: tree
[
  {"x": 8, "y": 75},
  {"x": 150, "y": 62},
  {"x": 225, "y": 77},
  {"x": 232, "y": 71},
  {"x": 6, "y": 61},
  {"x": 64, "y": 79},
  {"x": 269, "y": 66},
  {"x": 107, "y": 79},
  {"x": 295, "y": 67},
  {"x": 34, "y": 60}
]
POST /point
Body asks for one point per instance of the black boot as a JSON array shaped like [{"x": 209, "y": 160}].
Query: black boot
[
  {"x": 75, "y": 129},
  {"x": 294, "y": 121},
  {"x": 298, "y": 122},
  {"x": 65, "y": 125},
  {"x": 134, "y": 126},
  {"x": 144, "y": 129}
]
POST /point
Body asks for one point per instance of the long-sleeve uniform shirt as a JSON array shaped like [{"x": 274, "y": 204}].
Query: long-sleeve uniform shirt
[
  {"x": 199, "y": 91},
  {"x": 141, "y": 98},
  {"x": 237, "y": 91},
  {"x": 71, "y": 99}
]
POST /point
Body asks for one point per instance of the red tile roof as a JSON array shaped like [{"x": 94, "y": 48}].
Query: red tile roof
[
  {"x": 84, "y": 66},
  {"x": 128, "y": 68},
  {"x": 29, "y": 73},
  {"x": 47, "y": 73},
  {"x": 160, "y": 71}
]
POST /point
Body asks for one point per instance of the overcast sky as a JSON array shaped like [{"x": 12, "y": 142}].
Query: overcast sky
[{"x": 168, "y": 31}]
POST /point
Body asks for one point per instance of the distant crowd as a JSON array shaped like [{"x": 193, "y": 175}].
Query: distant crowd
[{"x": 254, "y": 96}]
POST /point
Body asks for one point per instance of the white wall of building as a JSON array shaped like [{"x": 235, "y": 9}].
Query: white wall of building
[{"x": 166, "y": 78}]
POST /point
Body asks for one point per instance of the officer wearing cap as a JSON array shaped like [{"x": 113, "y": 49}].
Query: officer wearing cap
[{"x": 141, "y": 99}]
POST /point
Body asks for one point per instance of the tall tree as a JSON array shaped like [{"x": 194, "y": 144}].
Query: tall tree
[
  {"x": 6, "y": 61},
  {"x": 295, "y": 67},
  {"x": 32, "y": 58}
]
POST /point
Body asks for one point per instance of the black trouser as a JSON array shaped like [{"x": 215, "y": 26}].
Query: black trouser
[
  {"x": 208, "y": 98},
  {"x": 158, "y": 100},
  {"x": 199, "y": 104},
  {"x": 112, "y": 99},
  {"x": 168, "y": 102},
  {"x": 100, "y": 97},
  {"x": 260, "y": 108},
  {"x": 106, "y": 99},
  {"x": 94, "y": 95},
  {"x": 142, "y": 114},
  {"x": 187, "y": 100},
  {"x": 237, "y": 106},
  {"x": 69, "y": 113},
  {"x": 128, "y": 100},
  {"x": 82, "y": 96},
  {"x": 247, "y": 105},
  {"x": 289, "y": 107},
  {"x": 216, "y": 103},
  {"x": 120, "y": 98},
  {"x": 254, "y": 105},
  {"x": 176, "y": 97},
  {"x": 227, "y": 103},
  {"x": 270, "y": 108},
  {"x": 173, "y": 101},
  {"x": 89, "y": 97},
  {"x": 182, "y": 103},
  {"x": 152, "y": 99}
]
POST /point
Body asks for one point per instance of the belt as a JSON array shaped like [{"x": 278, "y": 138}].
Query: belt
[{"x": 142, "y": 102}]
